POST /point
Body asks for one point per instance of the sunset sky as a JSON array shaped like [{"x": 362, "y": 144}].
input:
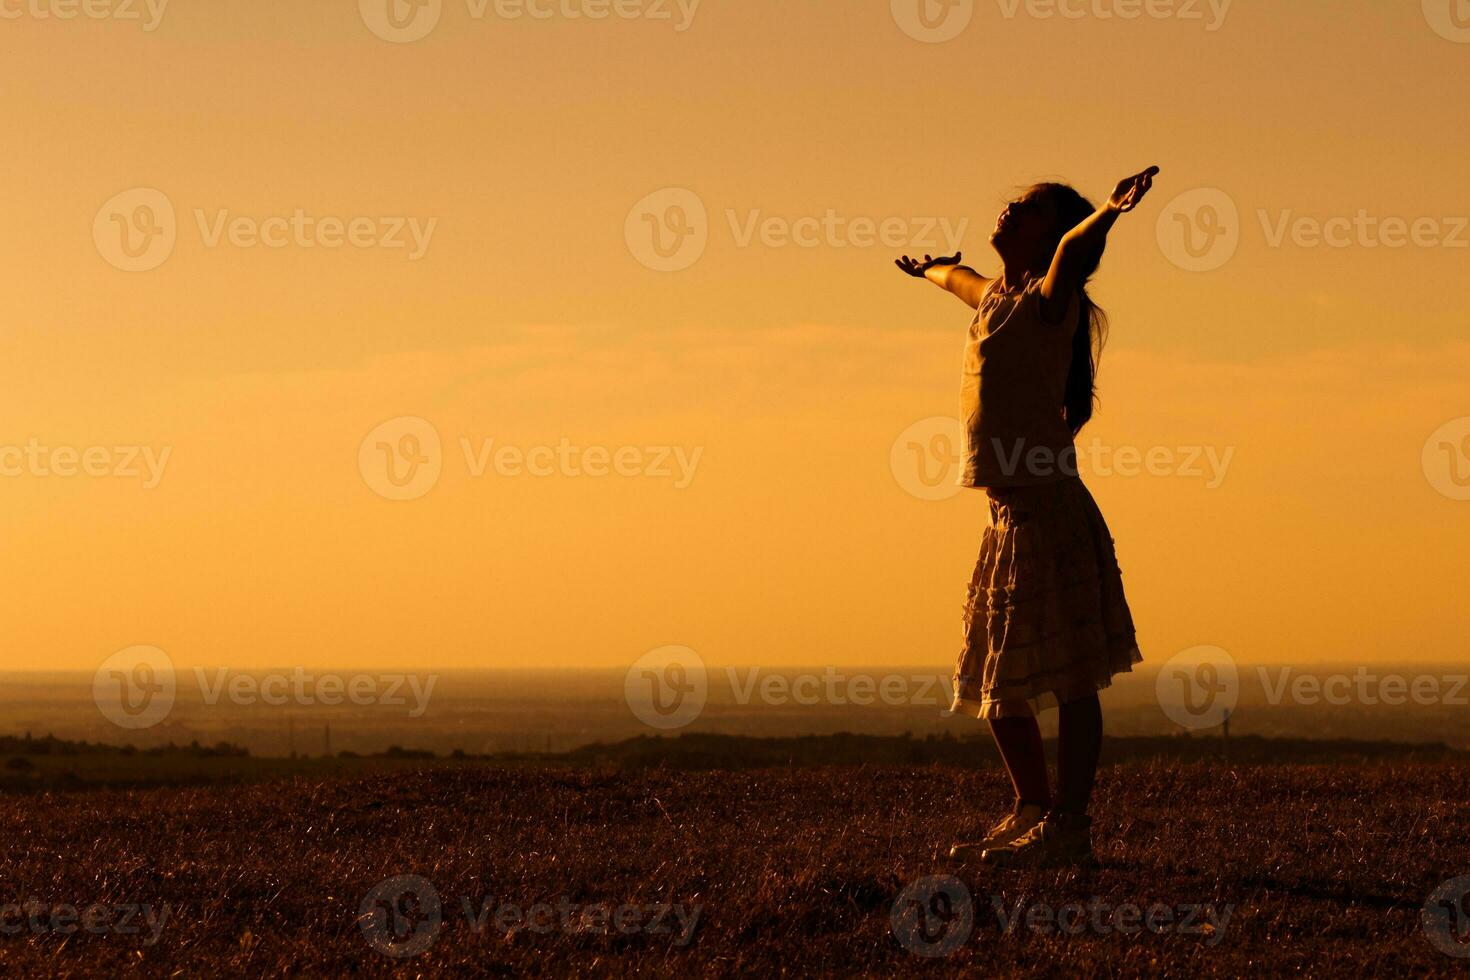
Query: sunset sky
[{"x": 781, "y": 374}]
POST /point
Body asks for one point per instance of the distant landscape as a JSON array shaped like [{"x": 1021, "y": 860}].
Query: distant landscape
[
  {"x": 491, "y": 712},
  {"x": 51, "y": 764}
]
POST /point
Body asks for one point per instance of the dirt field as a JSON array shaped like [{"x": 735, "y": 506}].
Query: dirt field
[{"x": 1206, "y": 870}]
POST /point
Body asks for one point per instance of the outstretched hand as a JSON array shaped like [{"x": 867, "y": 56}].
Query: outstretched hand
[
  {"x": 1131, "y": 190},
  {"x": 916, "y": 268}
]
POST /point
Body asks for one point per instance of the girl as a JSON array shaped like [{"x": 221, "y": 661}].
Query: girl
[{"x": 1046, "y": 623}]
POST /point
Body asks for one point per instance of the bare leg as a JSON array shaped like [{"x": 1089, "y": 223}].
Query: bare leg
[
  {"x": 1019, "y": 741},
  {"x": 1079, "y": 741}
]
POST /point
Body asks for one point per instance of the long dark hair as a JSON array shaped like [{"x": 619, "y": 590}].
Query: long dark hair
[{"x": 1092, "y": 323}]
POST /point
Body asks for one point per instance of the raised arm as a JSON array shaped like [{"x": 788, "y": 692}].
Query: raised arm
[
  {"x": 948, "y": 274},
  {"x": 1080, "y": 249}
]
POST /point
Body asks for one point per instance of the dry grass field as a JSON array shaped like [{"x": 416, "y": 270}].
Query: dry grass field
[{"x": 1205, "y": 870}]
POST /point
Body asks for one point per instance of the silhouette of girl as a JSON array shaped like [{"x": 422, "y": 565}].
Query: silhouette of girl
[{"x": 1046, "y": 622}]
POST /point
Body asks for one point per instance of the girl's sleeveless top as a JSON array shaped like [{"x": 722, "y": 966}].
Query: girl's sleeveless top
[{"x": 1012, "y": 390}]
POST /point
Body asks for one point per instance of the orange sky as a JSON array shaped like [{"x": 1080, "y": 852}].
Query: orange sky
[{"x": 784, "y": 373}]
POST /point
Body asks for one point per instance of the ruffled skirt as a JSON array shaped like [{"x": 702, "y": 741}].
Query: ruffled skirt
[{"x": 1046, "y": 620}]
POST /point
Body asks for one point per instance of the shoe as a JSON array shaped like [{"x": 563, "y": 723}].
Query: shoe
[
  {"x": 1016, "y": 824},
  {"x": 1060, "y": 839}
]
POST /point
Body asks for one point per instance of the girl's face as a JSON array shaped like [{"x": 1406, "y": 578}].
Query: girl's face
[{"x": 1025, "y": 232}]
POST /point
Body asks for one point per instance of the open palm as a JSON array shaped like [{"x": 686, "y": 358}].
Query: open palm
[{"x": 917, "y": 269}]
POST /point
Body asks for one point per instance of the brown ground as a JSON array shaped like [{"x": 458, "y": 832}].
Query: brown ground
[{"x": 1325, "y": 869}]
